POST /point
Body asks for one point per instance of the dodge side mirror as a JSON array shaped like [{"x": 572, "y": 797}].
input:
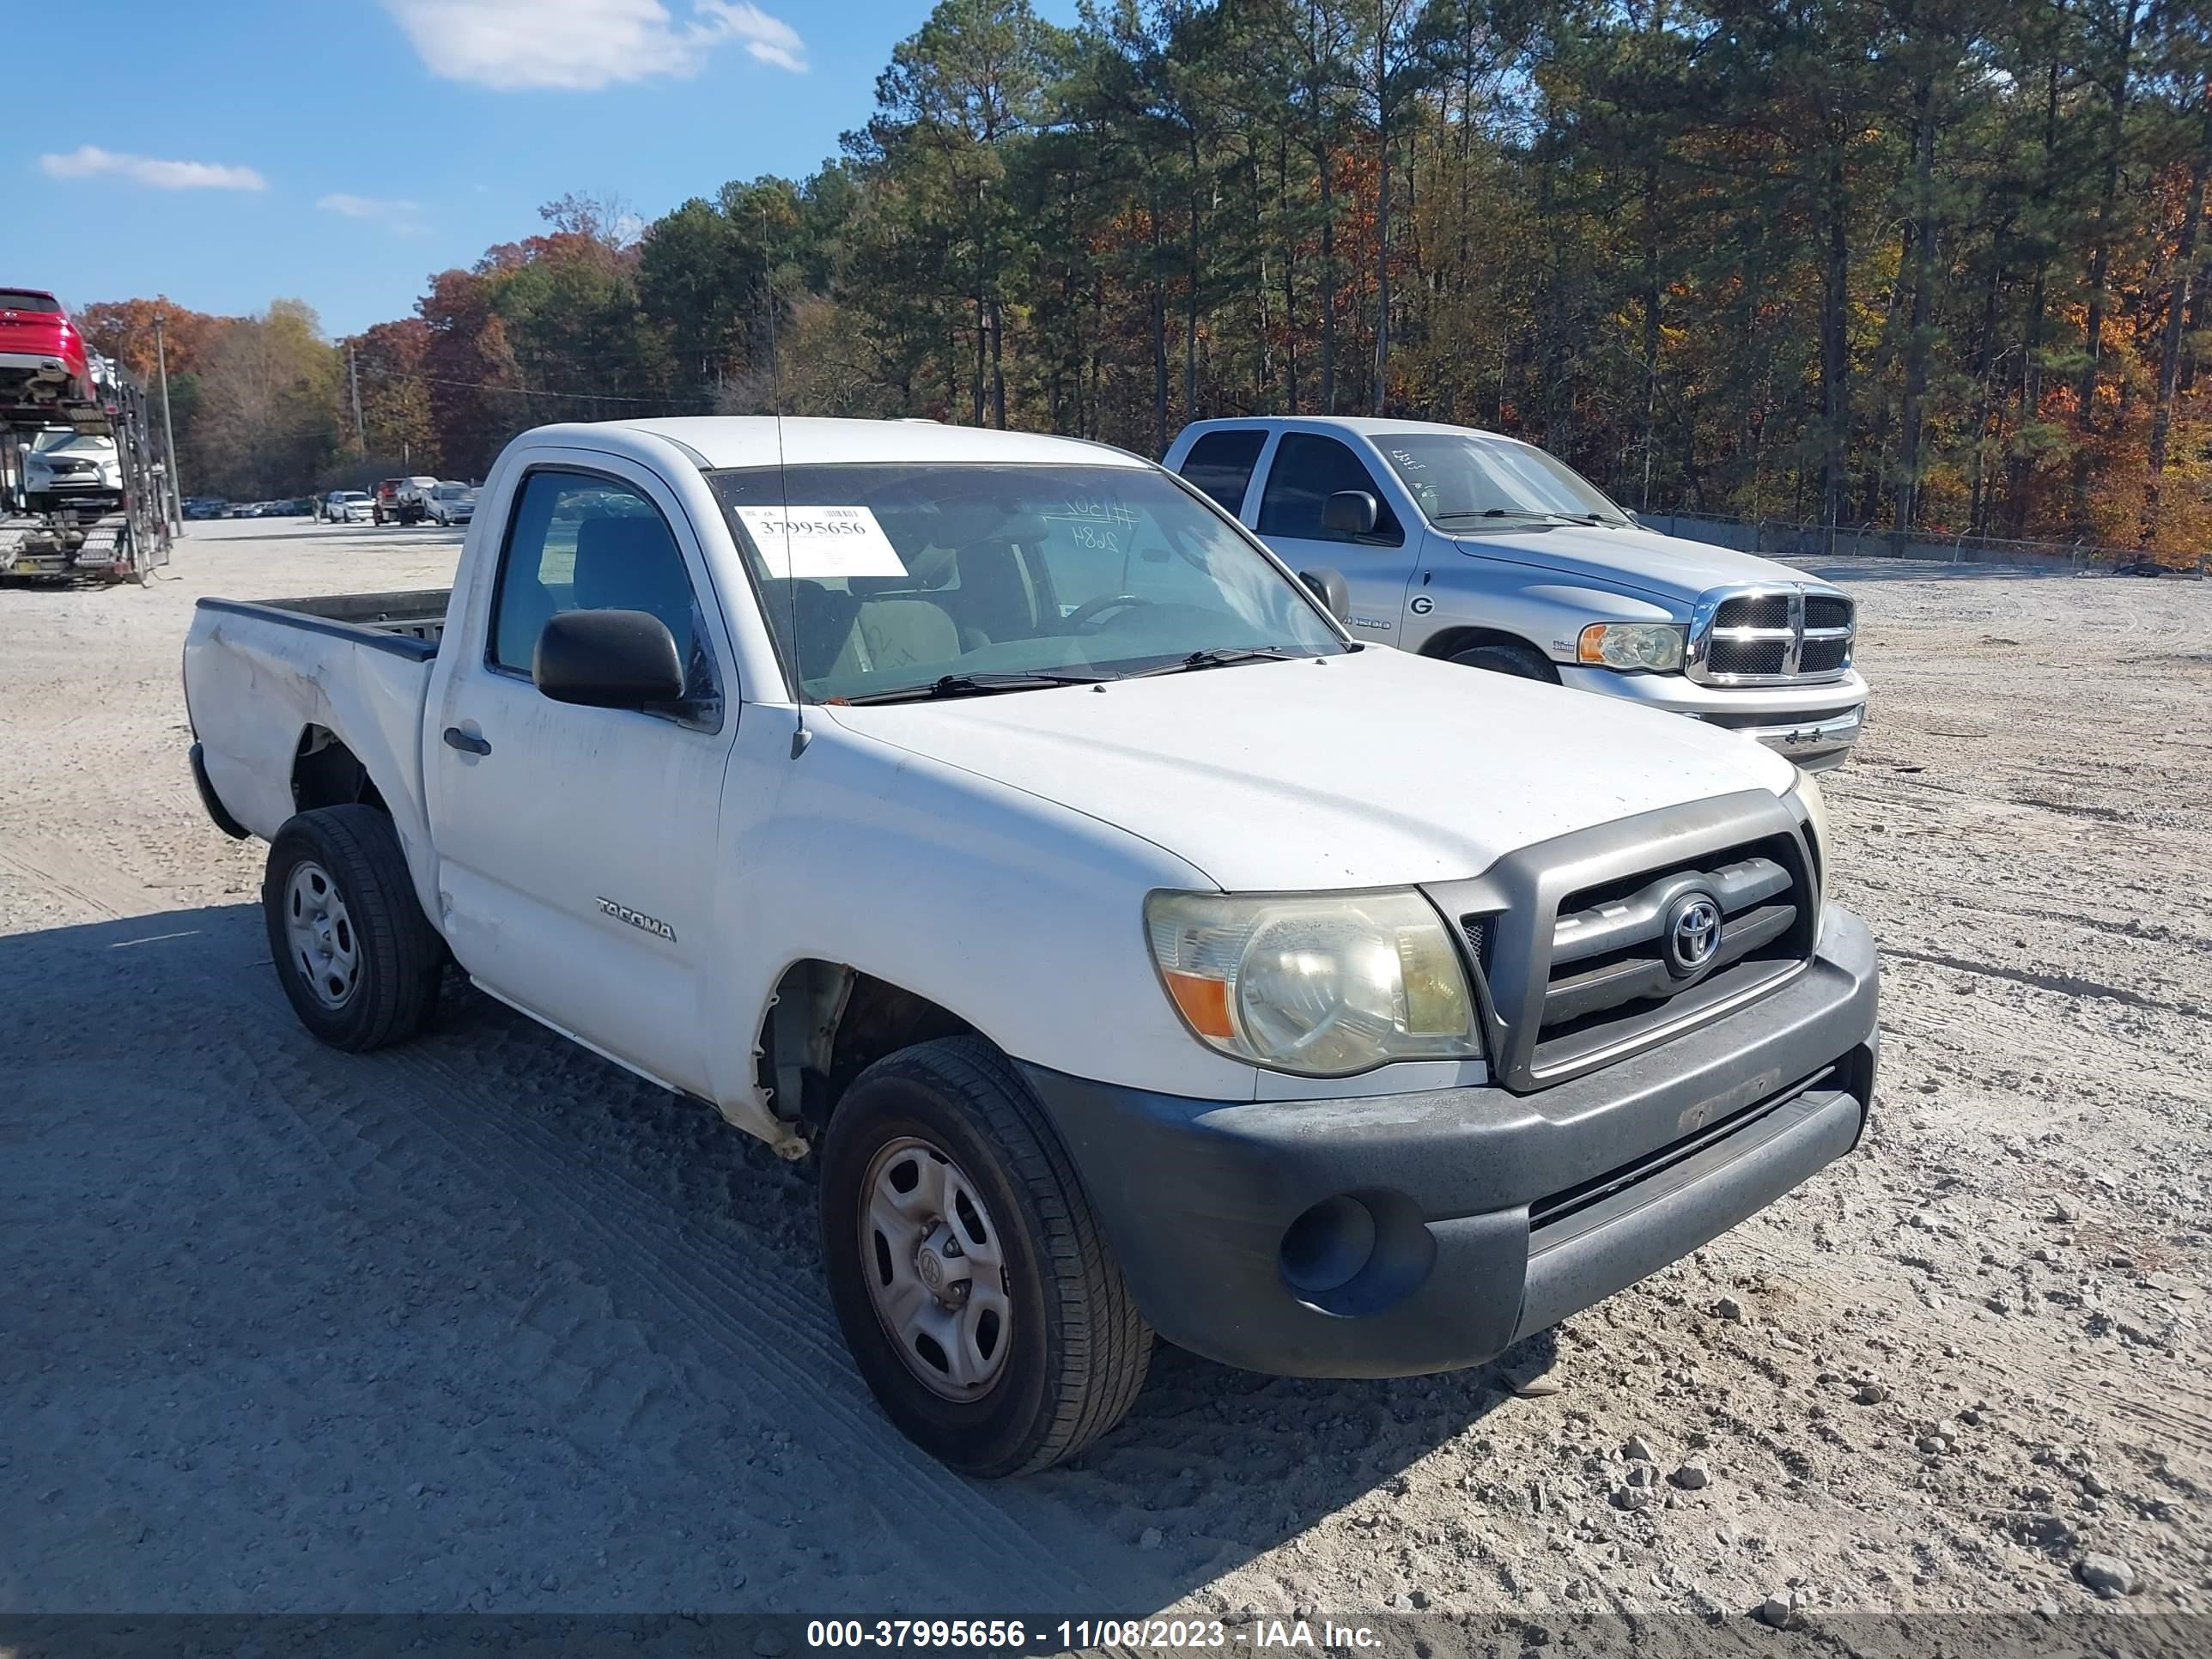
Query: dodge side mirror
[
  {"x": 1329, "y": 587},
  {"x": 608, "y": 659},
  {"x": 1351, "y": 513}
]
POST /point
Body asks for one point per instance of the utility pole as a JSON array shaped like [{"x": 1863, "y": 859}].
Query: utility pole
[
  {"x": 353, "y": 375},
  {"x": 175, "y": 508}
]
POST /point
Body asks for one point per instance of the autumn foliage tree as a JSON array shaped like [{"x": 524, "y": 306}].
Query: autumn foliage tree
[{"x": 1929, "y": 265}]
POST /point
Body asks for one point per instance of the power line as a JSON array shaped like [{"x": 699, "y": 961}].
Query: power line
[{"x": 375, "y": 373}]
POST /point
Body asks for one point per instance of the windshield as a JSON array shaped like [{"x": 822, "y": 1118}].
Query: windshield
[
  {"x": 56, "y": 440},
  {"x": 897, "y": 576},
  {"x": 1461, "y": 480},
  {"x": 454, "y": 492}
]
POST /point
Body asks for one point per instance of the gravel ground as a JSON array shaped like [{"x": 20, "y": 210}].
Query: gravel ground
[{"x": 483, "y": 1323}]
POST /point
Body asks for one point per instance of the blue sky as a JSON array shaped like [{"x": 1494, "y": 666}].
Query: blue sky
[{"x": 338, "y": 151}]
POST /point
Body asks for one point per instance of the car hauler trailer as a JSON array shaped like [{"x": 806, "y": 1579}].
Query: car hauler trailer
[{"x": 108, "y": 520}]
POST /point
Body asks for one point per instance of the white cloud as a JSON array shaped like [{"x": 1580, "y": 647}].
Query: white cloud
[
  {"x": 403, "y": 217},
  {"x": 91, "y": 161},
  {"x": 581, "y": 45},
  {"x": 768, "y": 38}
]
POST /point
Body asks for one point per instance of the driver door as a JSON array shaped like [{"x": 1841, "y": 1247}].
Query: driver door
[
  {"x": 578, "y": 847},
  {"x": 1306, "y": 469}
]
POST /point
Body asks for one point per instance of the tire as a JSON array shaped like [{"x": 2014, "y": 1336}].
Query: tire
[
  {"x": 379, "y": 980},
  {"x": 1071, "y": 1349},
  {"x": 1522, "y": 661}
]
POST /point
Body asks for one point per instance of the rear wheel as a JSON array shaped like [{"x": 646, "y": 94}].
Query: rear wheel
[
  {"x": 1522, "y": 661},
  {"x": 974, "y": 1288},
  {"x": 358, "y": 958}
]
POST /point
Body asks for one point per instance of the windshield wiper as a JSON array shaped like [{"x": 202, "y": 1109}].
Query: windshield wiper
[
  {"x": 972, "y": 686},
  {"x": 1528, "y": 513},
  {"x": 1220, "y": 656}
]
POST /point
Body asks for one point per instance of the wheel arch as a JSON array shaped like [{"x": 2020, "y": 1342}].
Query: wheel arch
[
  {"x": 825, "y": 1023},
  {"x": 1447, "y": 643},
  {"x": 326, "y": 772}
]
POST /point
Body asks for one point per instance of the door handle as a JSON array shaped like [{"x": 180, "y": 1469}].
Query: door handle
[{"x": 457, "y": 738}]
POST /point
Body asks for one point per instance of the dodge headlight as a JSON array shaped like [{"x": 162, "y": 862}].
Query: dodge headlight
[
  {"x": 1655, "y": 647},
  {"x": 1324, "y": 986}
]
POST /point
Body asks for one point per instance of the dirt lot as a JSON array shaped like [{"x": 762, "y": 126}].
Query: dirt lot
[{"x": 485, "y": 1323}]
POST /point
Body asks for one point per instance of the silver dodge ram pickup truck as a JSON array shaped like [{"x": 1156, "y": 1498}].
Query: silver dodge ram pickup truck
[{"x": 1485, "y": 551}]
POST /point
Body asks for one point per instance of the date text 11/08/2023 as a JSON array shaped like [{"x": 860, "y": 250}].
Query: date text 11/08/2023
[{"x": 1062, "y": 1635}]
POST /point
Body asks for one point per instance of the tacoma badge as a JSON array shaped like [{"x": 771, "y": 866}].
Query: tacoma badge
[{"x": 623, "y": 913}]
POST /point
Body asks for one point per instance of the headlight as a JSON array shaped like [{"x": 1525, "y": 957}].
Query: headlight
[
  {"x": 1656, "y": 647},
  {"x": 1324, "y": 986}
]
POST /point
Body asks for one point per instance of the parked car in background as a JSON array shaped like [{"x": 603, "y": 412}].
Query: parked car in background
[
  {"x": 991, "y": 816},
  {"x": 1484, "y": 550},
  {"x": 43, "y": 360},
  {"x": 205, "y": 507},
  {"x": 451, "y": 504},
  {"x": 352, "y": 507},
  {"x": 412, "y": 499}
]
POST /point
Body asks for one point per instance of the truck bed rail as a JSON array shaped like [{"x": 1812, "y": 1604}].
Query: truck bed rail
[{"x": 410, "y": 623}]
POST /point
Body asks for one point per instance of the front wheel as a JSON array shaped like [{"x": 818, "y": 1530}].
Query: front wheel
[
  {"x": 358, "y": 958},
  {"x": 979, "y": 1301}
]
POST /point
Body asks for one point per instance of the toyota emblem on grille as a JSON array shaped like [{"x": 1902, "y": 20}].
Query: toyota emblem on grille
[{"x": 1693, "y": 934}]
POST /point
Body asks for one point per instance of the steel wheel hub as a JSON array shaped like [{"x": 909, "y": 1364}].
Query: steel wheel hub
[
  {"x": 325, "y": 952},
  {"x": 935, "y": 1271}
]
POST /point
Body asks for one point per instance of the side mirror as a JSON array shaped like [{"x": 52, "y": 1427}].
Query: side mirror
[
  {"x": 1328, "y": 586},
  {"x": 608, "y": 659},
  {"x": 1351, "y": 513}
]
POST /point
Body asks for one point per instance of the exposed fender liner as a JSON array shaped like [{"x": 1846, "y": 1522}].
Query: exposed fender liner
[{"x": 213, "y": 802}]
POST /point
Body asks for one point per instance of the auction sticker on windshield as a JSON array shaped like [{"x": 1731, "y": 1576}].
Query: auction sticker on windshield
[{"x": 821, "y": 543}]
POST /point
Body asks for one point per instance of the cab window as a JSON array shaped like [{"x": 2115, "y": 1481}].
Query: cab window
[
  {"x": 1308, "y": 469},
  {"x": 1221, "y": 463},
  {"x": 577, "y": 541}
]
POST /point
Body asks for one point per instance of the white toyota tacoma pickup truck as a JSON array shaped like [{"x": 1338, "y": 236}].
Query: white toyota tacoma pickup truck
[
  {"x": 993, "y": 817},
  {"x": 1484, "y": 550}
]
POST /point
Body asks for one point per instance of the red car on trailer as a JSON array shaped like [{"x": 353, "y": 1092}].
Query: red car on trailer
[{"x": 43, "y": 363}]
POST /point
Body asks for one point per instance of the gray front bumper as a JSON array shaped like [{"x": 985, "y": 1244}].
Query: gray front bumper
[{"x": 1495, "y": 1214}]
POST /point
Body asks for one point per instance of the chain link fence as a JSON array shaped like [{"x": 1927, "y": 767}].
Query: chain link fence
[{"x": 1780, "y": 538}]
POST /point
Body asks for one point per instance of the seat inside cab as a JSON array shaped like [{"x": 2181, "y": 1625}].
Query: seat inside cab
[{"x": 977, "y": 591}]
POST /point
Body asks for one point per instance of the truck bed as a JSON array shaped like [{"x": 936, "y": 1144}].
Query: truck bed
[
  {"x": 411, "y": 624},
  {"x": 270, "y": 684}
]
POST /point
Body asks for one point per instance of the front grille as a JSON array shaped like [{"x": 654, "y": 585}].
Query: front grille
[
  {"x": 1827, "y": 611},
  {"x": 1771, "y": 635},
  {"x": 1594, "y": 946},
  {"x": 1754, "y": 611},
  {"x": 1824, "y": 656},
  {"x": 1747, "y": 656},
  {"x": 1610, "y": 976}
]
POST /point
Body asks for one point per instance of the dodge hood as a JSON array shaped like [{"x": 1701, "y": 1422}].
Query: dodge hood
[
  {"x": 1667, "y": 567},
  {"x": 1373, "y": 770}
]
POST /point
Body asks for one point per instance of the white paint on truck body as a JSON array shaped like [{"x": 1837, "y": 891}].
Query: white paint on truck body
[{"x": 992, "y": 854}]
